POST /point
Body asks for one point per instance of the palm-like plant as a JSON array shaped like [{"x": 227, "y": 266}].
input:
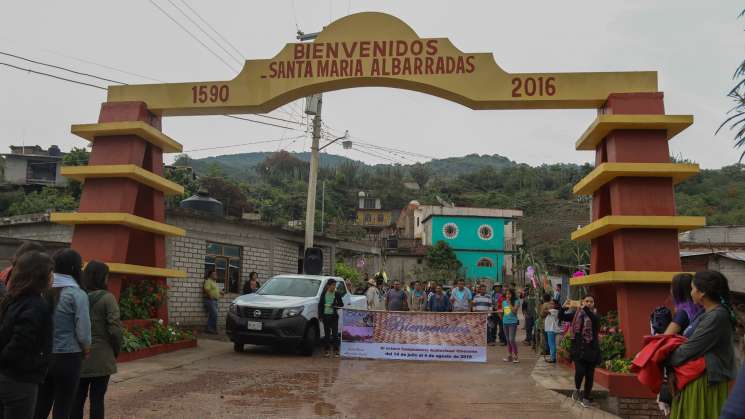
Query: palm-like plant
[{"x": 736, "y": 120}]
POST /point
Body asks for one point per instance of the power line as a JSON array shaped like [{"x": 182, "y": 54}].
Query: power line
[
  {"x": 263, "y": 123},
  {"x": 240, "y": 61},
  {"x": 192, "y": 35},
  {"x": 59, "y": 67},
  {"x": 53, "y": 76},
  {"x": 214, "y": 30},
  {"x": 240, "y": 145},
  {"x": 294, "y": 15}
]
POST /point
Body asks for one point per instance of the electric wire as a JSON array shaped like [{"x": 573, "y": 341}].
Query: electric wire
[
  {"x": 59, "y": 67},
  {"x": 230, "y": 44},
  {"x": 53, "y": 76},
  {"x": 120, "y": 82},
  {"x": 207, "y": 34},
  {"x": 263, "y": 123},
  {"x": 192, "y": 35},
  {"x": 240, "y": 145}
]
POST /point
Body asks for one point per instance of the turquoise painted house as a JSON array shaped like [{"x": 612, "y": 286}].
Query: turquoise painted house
[{"x": 477, "y": 235}]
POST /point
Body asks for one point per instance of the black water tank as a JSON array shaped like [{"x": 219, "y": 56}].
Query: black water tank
[{"x": 203, "y": 203}]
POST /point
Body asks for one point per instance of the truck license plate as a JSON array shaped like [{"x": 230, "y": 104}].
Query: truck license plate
[{"x": 253, "y": 325}]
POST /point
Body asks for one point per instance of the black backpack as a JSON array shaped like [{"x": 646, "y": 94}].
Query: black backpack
[{"x": 660, "y": 318}]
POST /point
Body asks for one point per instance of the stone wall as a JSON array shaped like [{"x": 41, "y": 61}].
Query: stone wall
[{"x": 35, "y": 227}]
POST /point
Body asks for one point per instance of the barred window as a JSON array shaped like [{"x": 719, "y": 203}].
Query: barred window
[{"x": 225, "y": 260}]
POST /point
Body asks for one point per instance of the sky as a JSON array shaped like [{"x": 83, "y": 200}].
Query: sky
[{"x": 693, "y": 45}]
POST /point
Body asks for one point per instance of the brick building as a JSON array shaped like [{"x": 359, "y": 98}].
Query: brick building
[{"x": 231, "y": 246}]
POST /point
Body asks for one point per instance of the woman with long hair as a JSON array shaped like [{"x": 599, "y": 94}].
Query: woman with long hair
[
  {"x": 72, "y": 337},
  {"x": 328, "y": 305},
  {"x": 686, "y": 311},
  {"x": 509, "y": 321},
  {"x": 106, "y": 331},
  {"x": 252, "y": 285},
  {"x": 585, "y": 349},
  {"x": 25, "y": 335},
  {"x": 704, "y": 397}
]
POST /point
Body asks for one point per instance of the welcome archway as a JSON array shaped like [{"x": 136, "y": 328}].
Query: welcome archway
[{"x": 634, "y": 226}]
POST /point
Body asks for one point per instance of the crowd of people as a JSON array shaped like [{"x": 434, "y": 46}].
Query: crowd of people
[
  {"x": 60, "y": 334},
  {"x": 503, "y": 304}
]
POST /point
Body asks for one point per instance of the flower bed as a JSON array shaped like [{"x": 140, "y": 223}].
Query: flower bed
[
  {"x": 156, "y": 350},
  {"x": 139, "y": 323},
  {"x": 622, "y": 384},
  {"x": 143, "y": 338}
]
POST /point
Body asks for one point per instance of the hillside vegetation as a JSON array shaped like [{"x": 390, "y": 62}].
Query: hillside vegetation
[{"x": 275, "y": 186}]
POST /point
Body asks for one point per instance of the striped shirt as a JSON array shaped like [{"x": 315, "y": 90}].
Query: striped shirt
[{"x": 482, "y": 302}]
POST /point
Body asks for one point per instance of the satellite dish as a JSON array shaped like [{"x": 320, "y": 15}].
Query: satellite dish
[{"x": 444, "y": 203}]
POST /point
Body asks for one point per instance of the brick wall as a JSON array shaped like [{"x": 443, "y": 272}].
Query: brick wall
[
  {"x": 268, "y": 251},
  {"x": 632, "y": 408}
]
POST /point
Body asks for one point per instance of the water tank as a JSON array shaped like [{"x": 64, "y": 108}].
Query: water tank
[
  {"x": 203, "y": 203},
  {"x": 54, "y": 151}
]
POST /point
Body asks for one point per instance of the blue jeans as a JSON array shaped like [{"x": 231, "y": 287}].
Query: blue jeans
[
  {"x": 551, "y": 338},
  {"x": 211, "y": 306}
]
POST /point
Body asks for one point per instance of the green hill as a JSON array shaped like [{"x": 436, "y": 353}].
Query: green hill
[{"x": 242, "y": 166}]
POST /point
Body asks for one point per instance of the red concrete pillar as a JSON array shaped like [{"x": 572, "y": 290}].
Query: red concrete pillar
[
  {"x": 634, "y": 249},
  {"x": 114, "y": 243}
]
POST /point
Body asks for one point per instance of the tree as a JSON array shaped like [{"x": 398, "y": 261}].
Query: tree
[
  {"x": 227, "y": 192},
  {"x": 76, "y": 157},
  {"x": 441, "y": 256},
  {"x": 48, "y": 199},
  {"x": 421, "y": 174},
  {"x": 736, "y": 120}
]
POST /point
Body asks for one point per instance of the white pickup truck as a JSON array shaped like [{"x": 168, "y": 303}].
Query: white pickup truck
[{"x": 284, "y": 311}]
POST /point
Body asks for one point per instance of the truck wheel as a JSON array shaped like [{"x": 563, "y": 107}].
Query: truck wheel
[
  {"x": 310, "y": 340},
  {"x": 238, "y": 347}
]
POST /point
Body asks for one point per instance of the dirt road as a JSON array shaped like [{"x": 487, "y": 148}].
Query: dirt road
[{"x": 214, "y": 382}]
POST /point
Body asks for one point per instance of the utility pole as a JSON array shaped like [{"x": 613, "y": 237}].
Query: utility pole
[
  {"x": 310, "y": 208},
  {"x": 323, "y": 203},
  {"x": 313, "y": 107}
]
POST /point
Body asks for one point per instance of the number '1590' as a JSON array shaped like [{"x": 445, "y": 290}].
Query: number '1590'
[{"x": 212, "y": 93}]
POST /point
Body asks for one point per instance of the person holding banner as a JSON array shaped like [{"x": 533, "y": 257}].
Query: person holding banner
[
  {"x": 461, "y": 297},
  {"x": 417, "y": 298},
  {"x": 509, "y": 320},
  {"x": 438, "y": 301},
  {"x": 328, "y": 306},
  {"x": 396, "y": 298}
]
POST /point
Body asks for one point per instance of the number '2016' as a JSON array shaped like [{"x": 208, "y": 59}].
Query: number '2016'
[
  {"x": 533, "y": 86},
  {"x": 212, "y": 94}
]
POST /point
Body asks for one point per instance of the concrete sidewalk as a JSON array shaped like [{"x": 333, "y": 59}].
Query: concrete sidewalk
[{"x": 560, "y": 380}]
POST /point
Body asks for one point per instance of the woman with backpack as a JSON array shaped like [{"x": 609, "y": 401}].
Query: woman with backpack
[
  {"x": 686, "y": 311},
  {"x": 72, "y": 337},
  {"x": 25, "y": 335},
  {"x": 106, "y": 331}
]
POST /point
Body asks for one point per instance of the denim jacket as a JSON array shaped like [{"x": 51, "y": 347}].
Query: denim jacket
[{"x": 72, "y": 323}]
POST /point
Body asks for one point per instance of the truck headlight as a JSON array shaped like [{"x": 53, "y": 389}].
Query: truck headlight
[
  {"x": 233, "y": 308},
  {"x": 292, "y": 311}
]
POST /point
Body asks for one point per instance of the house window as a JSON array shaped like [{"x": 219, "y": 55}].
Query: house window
[
  {"x": 225, "y": 260},
  {"x": 450, "y": 230},
  {"x": 369, "y": 203},
  {"x": 381, "y": 218},
  {"x": 486, "y": 232},
  {"x": 39, "y": 171},
  {"x": 417, "y": 221},
  {"x": 368, "y": 218},
  {"x": 485, "y": 263}
]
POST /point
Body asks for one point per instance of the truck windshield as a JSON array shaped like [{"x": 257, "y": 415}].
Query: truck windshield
[{"x": 291, "y": 287}]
